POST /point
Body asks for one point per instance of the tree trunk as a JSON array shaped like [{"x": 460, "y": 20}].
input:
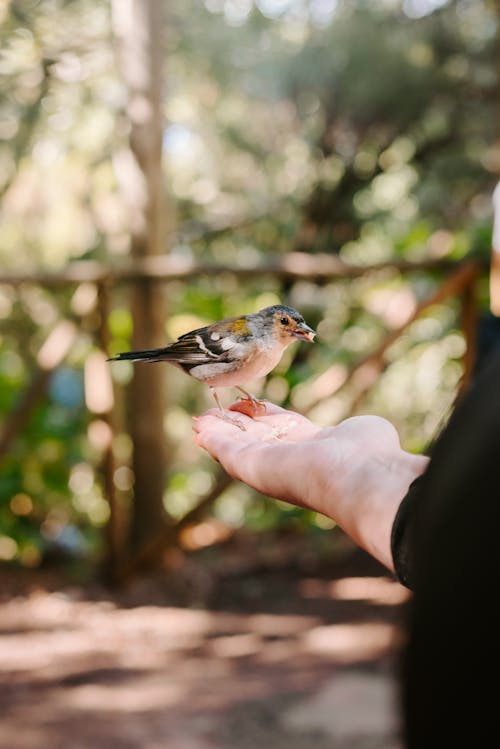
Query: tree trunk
[{"x": 138, "y": 27}]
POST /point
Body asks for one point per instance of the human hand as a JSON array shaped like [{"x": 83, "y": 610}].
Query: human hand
[{"x": 355, "y": 473}]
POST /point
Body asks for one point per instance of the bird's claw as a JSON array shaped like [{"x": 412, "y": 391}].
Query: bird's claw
[{"x": 231, "y": 420}]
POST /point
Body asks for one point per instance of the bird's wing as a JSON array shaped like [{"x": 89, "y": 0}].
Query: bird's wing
[{"x": 219, "y": 342}]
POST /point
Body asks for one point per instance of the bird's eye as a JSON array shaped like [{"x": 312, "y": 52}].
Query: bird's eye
[{"x": 284, "y": 321}]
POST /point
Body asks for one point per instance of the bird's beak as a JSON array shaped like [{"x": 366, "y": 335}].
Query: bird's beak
[{"x": 304, "y": 332}]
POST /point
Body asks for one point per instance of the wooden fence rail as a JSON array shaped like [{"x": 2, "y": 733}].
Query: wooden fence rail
[{"x": 292, "y": 266}]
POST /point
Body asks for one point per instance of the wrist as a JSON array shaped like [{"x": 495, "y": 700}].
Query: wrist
[
  {"x": 364, "y": 490},
  {"x": 379, "y": 502}
]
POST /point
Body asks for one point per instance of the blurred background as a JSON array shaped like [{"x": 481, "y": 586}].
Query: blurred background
[{"x": 164, "y": 165}]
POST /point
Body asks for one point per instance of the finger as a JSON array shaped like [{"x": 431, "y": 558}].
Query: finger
[
  {"x": 279, "y": 424},
  {"x": 224, "y": 446},
  {"x": 249, "y": 407},
  {"x": 212, "y": 422},
  {"x": 252, "y": 458},
  {"x": 271, "y": 408},
  {"x": 274, "y": 413},
  {"x": 290, "y": 426},
  {"x": 247, "y": 459}
]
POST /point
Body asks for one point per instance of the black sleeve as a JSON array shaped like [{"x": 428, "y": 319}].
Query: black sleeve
[
  {"x": 452, "y": 516},
  {"x": 405, "y": 522},
  {"x": 401, "y": 543}
]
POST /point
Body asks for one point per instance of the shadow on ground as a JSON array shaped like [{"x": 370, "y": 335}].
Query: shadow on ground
[{"x": 271, "y": 658}]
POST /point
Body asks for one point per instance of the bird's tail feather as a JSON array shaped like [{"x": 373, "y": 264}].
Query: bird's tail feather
[{"x": 149, "y": 355}]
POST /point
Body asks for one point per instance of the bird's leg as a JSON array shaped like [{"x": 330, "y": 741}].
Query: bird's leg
[
  {"x": 257, "y": 407},
  {"x": 224, "y": 416}
]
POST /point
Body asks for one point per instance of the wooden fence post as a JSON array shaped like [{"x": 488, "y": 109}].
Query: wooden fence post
[{"x": 139, "y": 27}]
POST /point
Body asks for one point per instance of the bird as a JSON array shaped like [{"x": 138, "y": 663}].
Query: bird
[{"x": 233, "y": 351}]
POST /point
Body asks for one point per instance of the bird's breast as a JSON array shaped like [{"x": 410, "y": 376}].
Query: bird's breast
[{"x": 242, "y": 369}]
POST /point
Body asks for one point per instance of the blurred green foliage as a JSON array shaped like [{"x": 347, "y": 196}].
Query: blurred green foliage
[{"x": 362, "y": 129}]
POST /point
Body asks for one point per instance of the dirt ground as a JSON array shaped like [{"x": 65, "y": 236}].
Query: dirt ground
[{"x": 296, "y": 654}]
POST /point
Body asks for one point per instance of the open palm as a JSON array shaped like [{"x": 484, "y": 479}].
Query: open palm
[{"x": 355, "y": 473}]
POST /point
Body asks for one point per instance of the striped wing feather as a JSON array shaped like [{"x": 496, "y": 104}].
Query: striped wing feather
[{"x": 196, "y": 347}]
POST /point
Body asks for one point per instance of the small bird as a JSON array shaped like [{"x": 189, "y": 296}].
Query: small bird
[{"x": 233, "y": 351}]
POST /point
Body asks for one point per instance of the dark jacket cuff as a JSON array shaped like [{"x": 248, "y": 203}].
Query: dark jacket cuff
[{"x": 401, "y": 535}]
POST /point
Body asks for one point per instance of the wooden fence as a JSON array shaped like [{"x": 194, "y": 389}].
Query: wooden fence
[{"x": 92, "y": 285}]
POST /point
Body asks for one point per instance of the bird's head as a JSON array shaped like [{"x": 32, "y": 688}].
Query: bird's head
[{"x": 285, "y": 324}]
